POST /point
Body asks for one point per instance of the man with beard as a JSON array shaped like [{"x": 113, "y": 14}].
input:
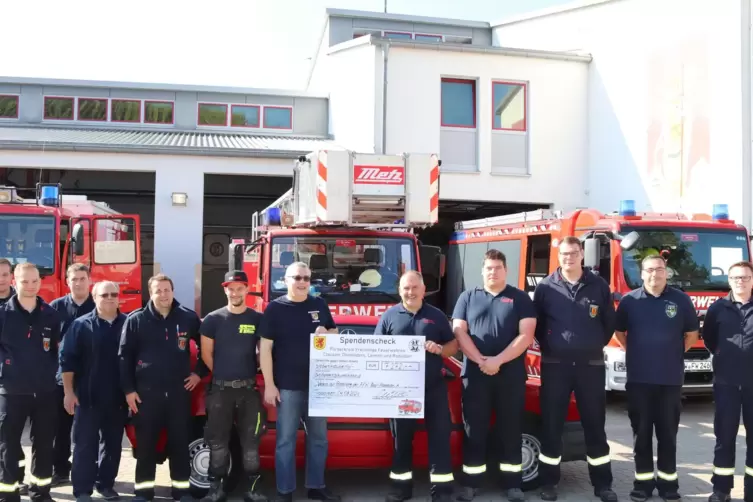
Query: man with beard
[
  {"x": 229, "y": 339},
  {"x": 29, "y": 338}
]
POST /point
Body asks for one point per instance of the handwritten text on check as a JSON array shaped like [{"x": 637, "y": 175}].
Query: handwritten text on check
[{"x": 367, "y": 376}]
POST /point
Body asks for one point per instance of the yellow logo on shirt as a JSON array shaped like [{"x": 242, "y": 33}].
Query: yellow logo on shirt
[{"x": 246, "y": 329}]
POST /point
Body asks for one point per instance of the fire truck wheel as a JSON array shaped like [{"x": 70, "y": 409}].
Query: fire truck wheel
[
  {"x": 531, "y": 449},
  {"x": 198, "y": 452}
]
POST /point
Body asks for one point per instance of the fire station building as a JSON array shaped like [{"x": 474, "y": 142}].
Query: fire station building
[{"x": 579, "y": 106}]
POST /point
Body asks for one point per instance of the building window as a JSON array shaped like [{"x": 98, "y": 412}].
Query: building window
[
  {"x": 8, "y": 107},
  {"x": 245, "y": 116},
  {"x": 509, "y": 106},
  {"x": 158, "y": 112},
  {"x": 58, "y": 108},
  {"x": 278, "y": 117},
  {"x": 458, "y": 103},
  {"x": 92, "y": 109},
  {"x": 398, "y": 35},
  {"x": 212, "y": 114},
  {"x": 428, "y": 38},
  {"x": 124, "y": 110}
]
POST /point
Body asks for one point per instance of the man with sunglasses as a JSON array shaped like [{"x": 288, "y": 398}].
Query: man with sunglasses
[
  {"x": 287, "y": 325},
  {"x": 91, "y": 381}
]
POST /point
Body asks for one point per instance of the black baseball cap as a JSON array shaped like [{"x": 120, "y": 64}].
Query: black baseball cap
[{"x": 235, "y": 276}]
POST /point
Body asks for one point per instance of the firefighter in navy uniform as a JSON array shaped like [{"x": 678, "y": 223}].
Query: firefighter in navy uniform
[
  {"x": 77, "y": 303},
  {"x": 156, "y": 377},
  {"x": 29, "y": 339},
  {"x": 655, "y": 324},
  {"x": 413, "y": 317},
  {"x": 229, "y": 339},
  {"x": 728, "y": 334},
  {"x": 575, "y": 321},
  {"x": 495, "y": 326}
]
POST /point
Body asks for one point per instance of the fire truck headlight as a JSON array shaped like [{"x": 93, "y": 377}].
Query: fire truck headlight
[{"x": 5, "y": 196}]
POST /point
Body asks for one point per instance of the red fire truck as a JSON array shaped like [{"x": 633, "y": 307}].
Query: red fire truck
[
  {"x": 698, "y": 248},
  {"x": 54, "y": 231}
]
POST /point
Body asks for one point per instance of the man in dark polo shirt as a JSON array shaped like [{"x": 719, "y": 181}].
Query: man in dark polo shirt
[
  {"x": 229, "y": 339},
  {"x": 413, "y": 317},
  {"x": 656, "y": 324},
  {"x": 575, "y": 321},
  {"x": 494, "y": 326},
  {"x": 728, "y": 334},
  {"x": 285, "y": 347}
]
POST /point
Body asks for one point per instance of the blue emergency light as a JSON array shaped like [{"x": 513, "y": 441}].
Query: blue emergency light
[
  {"x": 720, "y": 212},
  {"x": 627, "y": 208},
  {"x": 49, "y": 195},
  {"x": 271, "y": 216}
]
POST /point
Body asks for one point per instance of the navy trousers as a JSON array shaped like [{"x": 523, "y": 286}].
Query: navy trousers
[{"x": 97, "y": 445}]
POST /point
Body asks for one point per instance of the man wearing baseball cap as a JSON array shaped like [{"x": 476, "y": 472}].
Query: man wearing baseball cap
[{"x": 228, "y": 347}]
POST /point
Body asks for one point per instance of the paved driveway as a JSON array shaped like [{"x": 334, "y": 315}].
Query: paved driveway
[{"x": 695, "y": 456}]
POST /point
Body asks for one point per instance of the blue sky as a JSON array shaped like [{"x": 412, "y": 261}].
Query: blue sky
[{"x": 248, "y": 43}]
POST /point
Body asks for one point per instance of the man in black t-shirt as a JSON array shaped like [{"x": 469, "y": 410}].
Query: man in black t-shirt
[
  {"x": 285, "y": 348},
  {"x": 228, "y": 348}
]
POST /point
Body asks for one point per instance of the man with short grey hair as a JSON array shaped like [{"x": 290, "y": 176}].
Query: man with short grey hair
[
  {"x": 89, "y": 365},
  {"x": 287, "y": 324}
]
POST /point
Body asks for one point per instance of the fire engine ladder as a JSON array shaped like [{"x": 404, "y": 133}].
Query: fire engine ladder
[
  {"x": 524, "y": 217},
  {"x": 284, "y": 203}
]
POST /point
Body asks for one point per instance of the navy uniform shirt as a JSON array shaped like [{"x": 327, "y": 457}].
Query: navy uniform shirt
[
  {"x": 289, "y": 325},
  {"x": 728, "y": 334},
  {"x": 70, "y": 311},
  {"x": 656, "y": 327},
  {"x": 28, "y": 347},
  {"x": 90, "y": 352},
  {"x": 235, "y": 340},
  {"x": 12, "y": 292},
  {"x": 575, "y": 321},
  {"x": 429, "y": 322},
  {"x": 493, "y": 320}
]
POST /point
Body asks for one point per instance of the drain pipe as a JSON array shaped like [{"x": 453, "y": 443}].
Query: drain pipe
[
  {"x": 385, "y": 57},
  {"x": 747, "y": 136}
]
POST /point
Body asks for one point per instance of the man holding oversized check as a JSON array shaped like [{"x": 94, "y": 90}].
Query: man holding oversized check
[
  {"x": 288, "y": 324},
  {"x": 413, "y": 318}
]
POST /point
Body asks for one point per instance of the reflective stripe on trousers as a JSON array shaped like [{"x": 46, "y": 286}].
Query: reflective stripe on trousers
[
  {"x": 479, "y": 469},
  {"x": 434, "y": 478}
]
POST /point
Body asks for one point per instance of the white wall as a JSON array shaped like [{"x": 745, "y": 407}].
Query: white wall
[
  {"x": 178, "y": 236},
  {"x": 351, "y": 73},
  {"x": 636, "y": 81},
  {"x": 556, "y": 122}
]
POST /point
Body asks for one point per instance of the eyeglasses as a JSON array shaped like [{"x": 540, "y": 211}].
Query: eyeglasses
[
  {"x": 660, "y": 270},
  {"x": 740, "y": 278},
  {"x": 109, "y": 295},
  {"x": 298, "y": 278}
]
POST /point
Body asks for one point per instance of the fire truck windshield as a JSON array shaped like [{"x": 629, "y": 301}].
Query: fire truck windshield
[
  {"x": 697, "y": 258},
  {"x": 350, "y": 266},
  {"x": 27, "y": 238}
]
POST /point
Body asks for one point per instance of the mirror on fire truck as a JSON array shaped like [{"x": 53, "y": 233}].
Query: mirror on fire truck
[
  {"x": 431, "y": 267},
  {"x": 630, "y": 240},
  {"x": 236, "y": 256},
  {"x": 591, "y": 252},
  {"x": 77, "y": 239}
]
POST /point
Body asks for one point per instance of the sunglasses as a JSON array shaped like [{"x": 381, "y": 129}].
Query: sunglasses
[
  {"x": 109, "y": 295},
  {"x": 298, "y": 278}
]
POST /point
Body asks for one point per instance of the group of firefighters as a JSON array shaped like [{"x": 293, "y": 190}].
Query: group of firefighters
[{"x": 78, "y": 364}]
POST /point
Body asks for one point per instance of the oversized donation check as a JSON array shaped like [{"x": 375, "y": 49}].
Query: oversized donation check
[{"x": 367, "y": 376}]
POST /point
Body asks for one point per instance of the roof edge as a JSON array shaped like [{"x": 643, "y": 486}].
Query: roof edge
[
  {"x": 409, "y": 18},
  {"x": 581, "y": 57},
  {"x": 146, "y": 86},
  {"x": 550, "y": 11}
]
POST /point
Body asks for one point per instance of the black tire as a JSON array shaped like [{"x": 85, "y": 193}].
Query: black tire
[{"x": 531, "y": 443}]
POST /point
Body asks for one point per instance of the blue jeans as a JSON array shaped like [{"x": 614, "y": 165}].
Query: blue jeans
[{"x": 293, "y": 407}]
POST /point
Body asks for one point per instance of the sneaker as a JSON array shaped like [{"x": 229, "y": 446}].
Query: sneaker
[
  {"x": 719, "y": 497},
  {"x": 323, "y": 494},
  {"x": 549, "y": 493},
  {"x": 84, "y": 498},
  {"x": 515, "y": 495},
  {"x": 606, "y": 495},
  {"x": 638, "y": 496},
  {"x": 108, "y": 494}
]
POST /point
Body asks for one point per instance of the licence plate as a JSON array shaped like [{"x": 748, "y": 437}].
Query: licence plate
[{"x": 697, "y": 365}]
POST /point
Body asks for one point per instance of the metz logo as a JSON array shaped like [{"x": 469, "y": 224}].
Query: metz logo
[{"x": 379, "y": 175}]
